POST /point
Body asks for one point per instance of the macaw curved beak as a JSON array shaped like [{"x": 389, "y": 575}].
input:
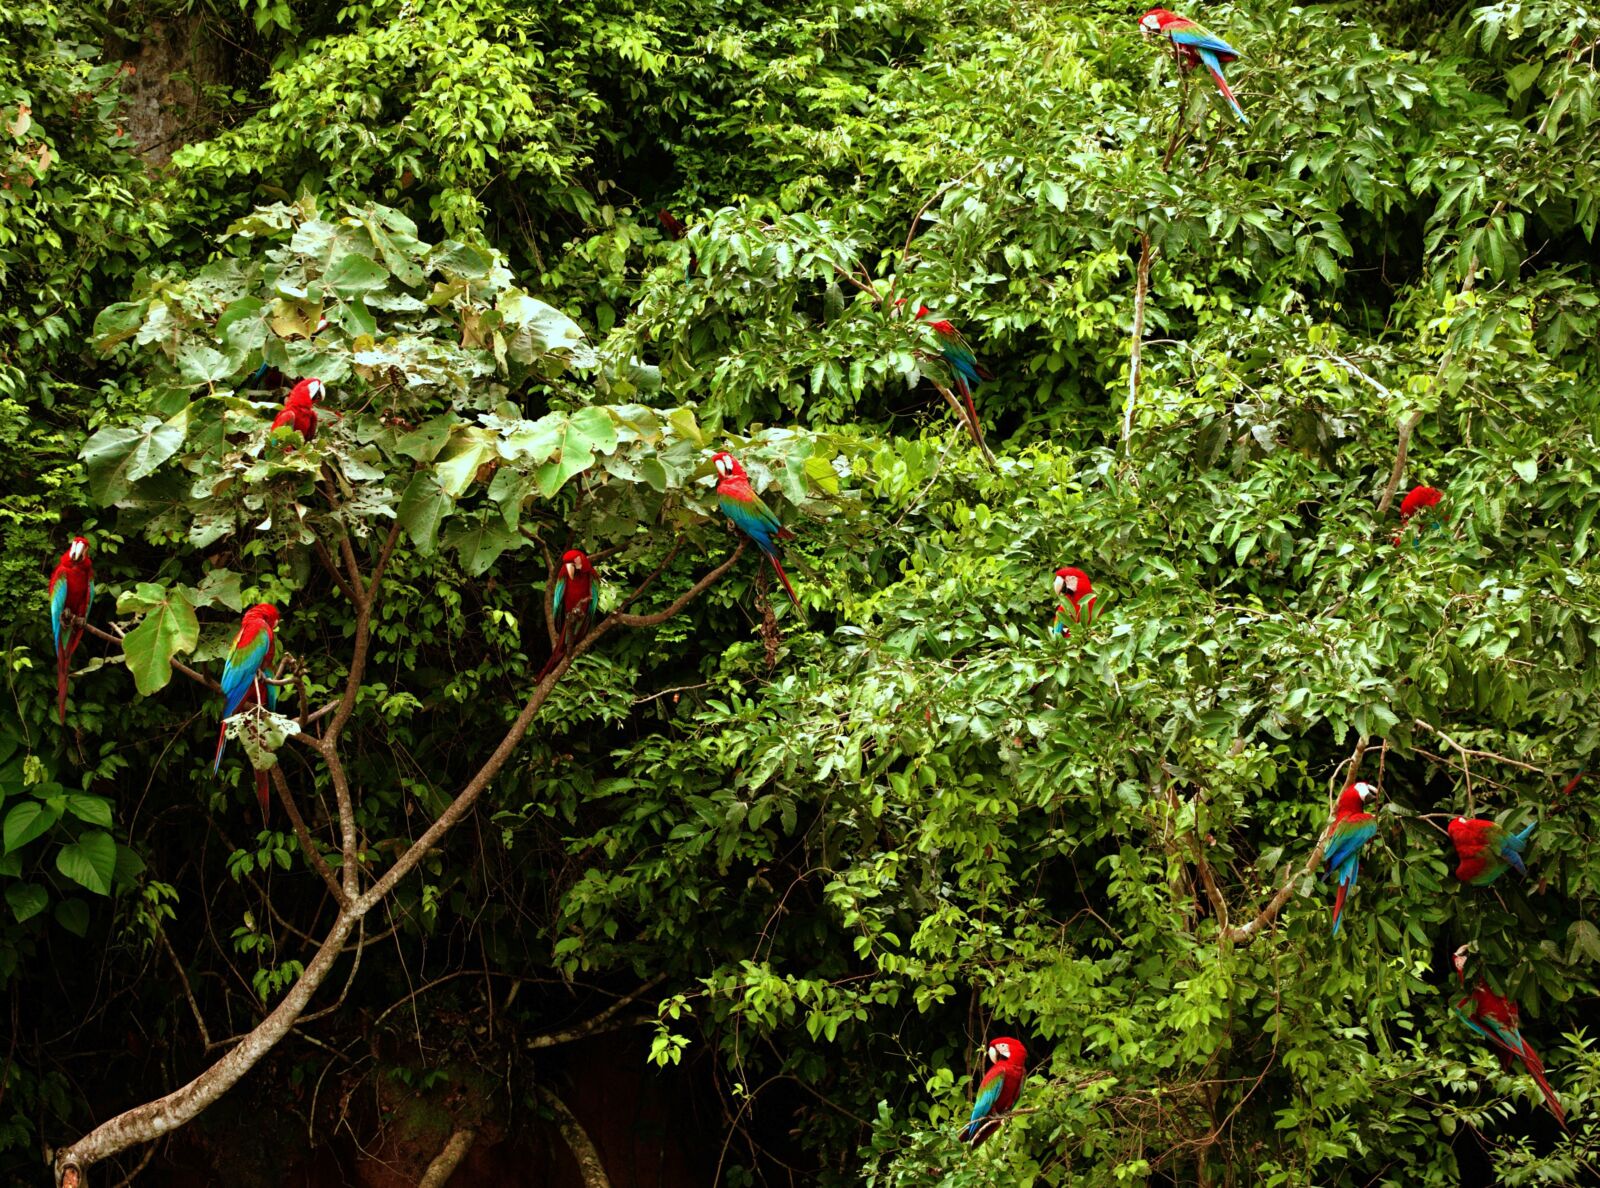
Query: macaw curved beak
[
  {"x": 76, "y": 550},
  {"x": 1061, "y": 583}
]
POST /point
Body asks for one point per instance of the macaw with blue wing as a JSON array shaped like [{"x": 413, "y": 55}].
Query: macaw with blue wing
[
  {"x": 1194, "y": 46},
  {"x": 242, "y": 675},
  {"x": 575, "y": 601},
  {"x": 71, "y": 592},
  {"x": 1352, "y": 829},
  {"x": 1486, "y": 849},
  {"x": 750, "y": 516},
  {"x": 998, "y": 1091},
  {"x": 1497, "y": 1019}
]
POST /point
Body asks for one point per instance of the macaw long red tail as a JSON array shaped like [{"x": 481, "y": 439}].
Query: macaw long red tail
[
  {"x": 1227, "y": 92},
  {"x": 1338, "y": 908},
  {"x": 64, "y": 670},
  {"x": 777, "y": 567},
  {"x": 972, "y": 412},
  {"x": 263, "y": 796},
  {"x": 1535, "y": 1066}
]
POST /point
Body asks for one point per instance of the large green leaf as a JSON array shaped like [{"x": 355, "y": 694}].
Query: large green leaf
[
  {"x": 90, "y": 861},
  {"x": 423, "y": 506},
  {"x": 353, "y": 274},
  {"x": 169, "y": 628},
  {"x": 26, "y": 900},
  {"x": 116, "y": 458},
  {"x": 27, "y": 820},
  {"x": 480, "y": 539}
]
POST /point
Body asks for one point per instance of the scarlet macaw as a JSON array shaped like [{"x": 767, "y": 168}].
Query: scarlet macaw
[
  {"x": 71, "y": 590},
  {"x": 1352, "y": 829},
  {"x": 1417, "y": 500},
  {"x": 252, "y": 651},
  {"x": 1486, "y": 850},
  {"x": 1496, "y": 1019},
  {"x": 1194, "y": 45},
  {"x": 998, "y": 1090},
  {"x": 576, "y": 598},
  {"x": 1075, "y": 584},
  {"x": 964, "y": 369},
  {"x": 299, "y": 412},
  {"x": 750, "y": 516}
]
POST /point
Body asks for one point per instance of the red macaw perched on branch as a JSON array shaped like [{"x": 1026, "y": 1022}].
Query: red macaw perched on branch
[
  {"x": 252, "y": 652},
  {"x": 575, "y": 600},
  {"x": 1352, "y": 829},
  {"x": 1486, "y": 850},
  {"x": 750, "y": 516},
  {"x": 998, "y": 1090},
  {"x": 299, "y": 412},
  {"x": 1417, "y": 501},
  {"x": 1075, "y": 584},
  {"x": 1194, "y": 46},
  {"x": 71, "y": 591},
  {"x": 965, "y": 373},
  {"x": 1497, "y": 1020}
]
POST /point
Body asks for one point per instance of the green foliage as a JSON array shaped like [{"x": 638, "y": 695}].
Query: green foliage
[{"x": 850, "y": 849}]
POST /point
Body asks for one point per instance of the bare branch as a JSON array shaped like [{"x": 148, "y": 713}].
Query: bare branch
[
  {"x": 446, "y": 1161},
  {"x": 598, "y": 1022},
  {"x": 322, "y": 554},
  {"x": 578, "y": 1140},
  {"x": 178, "y": 665},
  {"x": 313, "y": 855},
  {"x": 188, "y": 991},
  {"x": 1141, "y": 291}
]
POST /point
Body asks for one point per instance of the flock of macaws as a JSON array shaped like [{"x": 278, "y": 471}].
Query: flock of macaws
[{"x": 1485, "y": 849}]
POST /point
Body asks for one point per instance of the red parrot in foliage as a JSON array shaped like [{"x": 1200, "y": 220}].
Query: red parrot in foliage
[
  {"x": 750, "y": 516},
  {"x": 671, "y": 224},
  {"x": 252, "y": 652},
  {"x": 1075, "y": 584},
  {"x": 1352, "y": 829},
  {"x": 1417, "y": 500},
  {"x": 998, "y": 1090},
  {"x": 1496, "y": 1019},
  {"x": 71, "y": 591},
  {"x": 964, "y": 369},
  {"x": 1194, "y": 46},
  {"x": 1487, "y": 850},
  {"x": 576, "y": 598},
  {"x": 299, "y": 412}
]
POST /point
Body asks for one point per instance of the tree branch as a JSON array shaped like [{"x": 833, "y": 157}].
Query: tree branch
[
  {"x": 1141, "y": 291},
  {"x": 446, "y": 1161},
  {"x": 598, "y": 1022},
  {"x": 297, "y": 823},
  {"x": 582, "y": 1146},
  {"x": 181, "y": 667}
]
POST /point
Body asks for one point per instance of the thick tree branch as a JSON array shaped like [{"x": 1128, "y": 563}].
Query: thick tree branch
[
  {"x": 582, "y": 1146},
  {"x": 326, "y": 558},
  {"x": 446, "y": 1161}
]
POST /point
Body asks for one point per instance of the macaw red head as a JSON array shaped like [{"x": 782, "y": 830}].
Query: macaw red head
[
  {"x": 1006, "y": 1050},
  {"x": 264, "y": 613},
  {"x": 307, "y": 391},
  {"x": 574, "y": 562},
  {"x": 77, "y": 551},
  {"x": 1073, "y": 582},
  {"x": 727, "y": 465},
  {"x": 1354, "y": 796},
  {"x": 1156, "y": 20},
  {"x": 1418, "y": 498},
  {"x": 1459, "y": 960}
]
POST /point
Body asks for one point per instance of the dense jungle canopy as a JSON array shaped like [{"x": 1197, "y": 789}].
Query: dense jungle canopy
[{"x": 734, "y": 894}]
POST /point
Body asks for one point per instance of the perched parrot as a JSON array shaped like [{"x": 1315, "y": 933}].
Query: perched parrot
[
  {"x": 964, "y": 368},
  {"x": 1417, "y": 500},
  {"x": 1351, "y": 829},
  {"x": 1496, "y": 1019},
  {"x": 575, "y": 598},
  {"x": 1487, "y": 850},
  {"x": 71, "y": 591},
  {"x": 299, "y": 412},
  {"x": 1194, "y": 46},
  {"x": 1075, "y": 584},
  {"x": 671, "y": 224},
  {"x": 750, "y": 516},
  {"x": 252, "y": 652},
  {"x": 998, "y": 1090}
]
